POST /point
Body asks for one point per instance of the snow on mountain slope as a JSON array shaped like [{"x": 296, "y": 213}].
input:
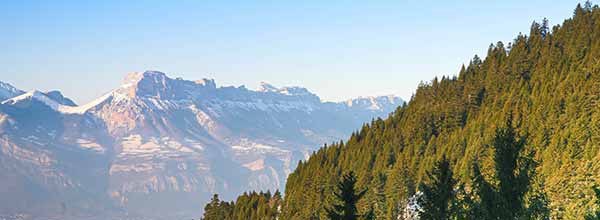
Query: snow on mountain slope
[
  {"x": 292, "y": 91},
  {"x": 8, "y": 91},
  {"x": 48, "y": 158},
  {"x": 55, "y": 101},
  {"x": 381, "y": 103},
  {"x": 58, "y": 97},
  {"x": 174, "y": 142}
]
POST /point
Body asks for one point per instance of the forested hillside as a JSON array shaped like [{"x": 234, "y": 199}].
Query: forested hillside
[
  {"x": 264, "y": 206},
  {"x": 545, "y": 84}
]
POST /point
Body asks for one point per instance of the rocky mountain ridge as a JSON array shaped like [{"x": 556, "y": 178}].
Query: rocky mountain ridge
[{"x": 158, "y": 145}]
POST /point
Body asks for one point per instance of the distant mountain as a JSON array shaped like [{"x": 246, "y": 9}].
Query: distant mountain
[
  {"x": 58, "y": 97},
  {"x": 8, "y": 91},
  {"x": 380, "y": 103},
  {"x": 51, "y": 162},
  {"x": 160, "y": 146}
]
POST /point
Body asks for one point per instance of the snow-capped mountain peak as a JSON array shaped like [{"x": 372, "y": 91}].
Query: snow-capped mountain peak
[
  {"x": 54, "y": 100},
  {"x": 155, "y": 84},
  {"x": 374, "y": 102},
  {"x": 290, "y": 90},
  {"x": 8, "y": 91},
  {"x": 266, "y": 87},
  {"x": 60, "y": 98},
  {"x": 146, "y": 84},
  {"x": 33, "y": 95},
  {"x": 136, "y": 77}
]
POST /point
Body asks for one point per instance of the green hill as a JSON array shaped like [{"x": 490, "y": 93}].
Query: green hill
[{"x": 546, "y": 82}]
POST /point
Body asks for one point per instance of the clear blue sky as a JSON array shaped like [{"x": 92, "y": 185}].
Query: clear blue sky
[{"x": 337, "y": 49}]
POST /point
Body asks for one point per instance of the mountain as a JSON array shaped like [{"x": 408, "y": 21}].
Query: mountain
[
  {"x": 8, "y": 91},
  {"x": 160, "y": 146},
  {"x": 58, "y": 97},
  {"x": 51, "y": 161},
  {"x": 544, "y": 85}
]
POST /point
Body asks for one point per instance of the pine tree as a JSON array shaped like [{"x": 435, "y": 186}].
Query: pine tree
[
  {"x": 213, "y": 210},
  {"x": 513, "y": 181},
  {"x": 438, "y": 192},
  {"x": 514, "y": 174},
  {"x": 378, "y": 206},
  {"x": 347, "y": 197},
  {"x": 486, "y": 202},
  {"x": 399, "y": 190}
]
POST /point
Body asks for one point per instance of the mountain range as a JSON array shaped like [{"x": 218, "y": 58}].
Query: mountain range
[{"x": 161, "y": 146}]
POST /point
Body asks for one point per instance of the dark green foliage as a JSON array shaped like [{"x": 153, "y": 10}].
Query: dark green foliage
[
  {"x": 344, "y": 207},
  {"x": 438, "y": 193},
  {"x": 513, "y": 182},
  {"x": 595, "y": 215},
  {"x": 484, "y": 203},
  {"x": 370, "y": 215},
  {"x": 512, "y": 195},
  {"x": 252, "y": 205},
  {"x": 538, "y": 205},
  {"x": 401, "y": 187},
  {"x": 217, "y": 209}
]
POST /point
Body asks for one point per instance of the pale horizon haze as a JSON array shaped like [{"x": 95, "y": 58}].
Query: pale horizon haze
[{"x": 336, "y": 49}]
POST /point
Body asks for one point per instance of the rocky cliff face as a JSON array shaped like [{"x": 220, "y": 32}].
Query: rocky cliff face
[{"x": 158, "y": 145}]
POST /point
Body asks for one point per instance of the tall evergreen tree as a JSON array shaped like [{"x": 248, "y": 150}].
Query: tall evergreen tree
[
  {"x": 399, "y": 189},
  {"x": 485, "y": 197},
  {"x": 513, "y": 173},
  {"x": 438, "y": 193},
  {"x": 513, "y": 181},
  {"x": 347, "y": 197},
  {"x": 213, "y": 210}
]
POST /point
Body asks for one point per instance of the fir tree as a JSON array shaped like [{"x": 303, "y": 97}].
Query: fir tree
[
  {"x": 214, "y": 210},
  {"x": 514, "y": 173},
  {"x": 512, "y": 185},
  {"x": 438, "y": 193},
  {"x": 485, "y": 197},
  {"x": 347, "y": 197}
]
